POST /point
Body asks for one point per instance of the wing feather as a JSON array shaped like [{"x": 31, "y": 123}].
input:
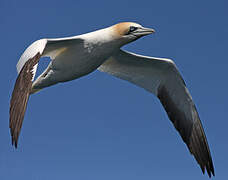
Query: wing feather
[
  {"x": 26, "y": 67},
  {"x": 20, "y": 96},
  {"x": 161, "y": 77},
  {"x": 189, "y": 127}
]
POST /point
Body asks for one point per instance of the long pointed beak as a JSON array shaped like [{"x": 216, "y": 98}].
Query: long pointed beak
[{"x": 142, "y": 31}]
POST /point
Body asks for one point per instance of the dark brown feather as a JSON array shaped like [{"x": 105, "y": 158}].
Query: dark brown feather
[
  {"x": 20, "y": 96},
  {"x": 190, "y": 129}
]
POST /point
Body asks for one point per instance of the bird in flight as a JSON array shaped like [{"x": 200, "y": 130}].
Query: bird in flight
[{"x": 77, "y": 56}]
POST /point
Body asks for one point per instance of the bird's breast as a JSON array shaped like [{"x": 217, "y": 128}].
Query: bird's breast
[{"x": 79, "y": 60}]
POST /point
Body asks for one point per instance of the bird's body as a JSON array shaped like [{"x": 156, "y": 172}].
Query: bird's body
[{"x": 77, "y": 56}]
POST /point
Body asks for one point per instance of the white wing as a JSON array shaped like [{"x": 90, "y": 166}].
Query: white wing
[
  {"x": 161, "y": 77},
  {"x": 26, "y": 68},
  {"x": 46, "y": 47}
]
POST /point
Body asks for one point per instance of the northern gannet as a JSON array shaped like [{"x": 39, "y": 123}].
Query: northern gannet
[{"x": 77, "y": 56}]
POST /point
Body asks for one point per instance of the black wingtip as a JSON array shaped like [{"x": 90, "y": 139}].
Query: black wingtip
[
  {"x": 20, "y": 96},
  {"x": 209, "y": 168},
  {"x": 213, "y": 173},
  {"x": 14, "y": 142},
  {"x": 189, "y": 127}
]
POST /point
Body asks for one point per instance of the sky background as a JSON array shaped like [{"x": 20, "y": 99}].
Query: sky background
[{"x": 99, "y": 127}]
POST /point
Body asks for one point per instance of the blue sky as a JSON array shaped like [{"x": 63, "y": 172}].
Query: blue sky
[{"x": 100, "y": 127}]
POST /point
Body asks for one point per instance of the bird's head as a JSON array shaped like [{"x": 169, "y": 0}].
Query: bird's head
[{"x": 127, "y": 32}]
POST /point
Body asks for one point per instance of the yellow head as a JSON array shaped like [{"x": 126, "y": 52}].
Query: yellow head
[{"x": 130, "y": 31}]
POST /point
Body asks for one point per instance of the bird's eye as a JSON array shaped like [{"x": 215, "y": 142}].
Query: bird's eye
[{"x": 132, "y": 28}]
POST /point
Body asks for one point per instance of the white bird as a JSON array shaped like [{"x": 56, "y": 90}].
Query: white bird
[{"x": 77, "y": 56}]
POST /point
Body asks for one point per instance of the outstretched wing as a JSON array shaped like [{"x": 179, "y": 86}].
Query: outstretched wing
[
  {"x": 161, "y": 77},
  {"x": 20, "y": 96},
  {"x": 26, "y": 67}
]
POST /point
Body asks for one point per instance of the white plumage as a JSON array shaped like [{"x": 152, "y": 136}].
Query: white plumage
[{"x": 77, "y": 56}]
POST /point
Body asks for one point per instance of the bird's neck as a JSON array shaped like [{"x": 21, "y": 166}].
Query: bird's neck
[{"x": 103, "y": 38}]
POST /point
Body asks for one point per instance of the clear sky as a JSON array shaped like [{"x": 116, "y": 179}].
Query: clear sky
[{"x": 102, "y": 128}]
